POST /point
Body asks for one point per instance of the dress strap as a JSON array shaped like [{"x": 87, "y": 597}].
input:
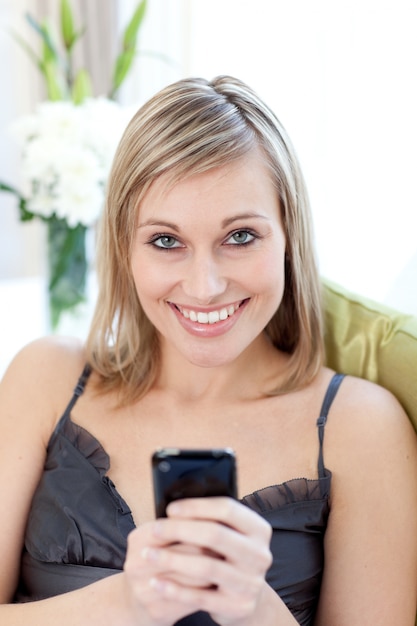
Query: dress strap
[
  {"x": 321, "y": 422},
  {"x": 79, "y": 388}
]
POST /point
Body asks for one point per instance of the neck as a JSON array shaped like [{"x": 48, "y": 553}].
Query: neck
[{"x": 249, "y": 376}]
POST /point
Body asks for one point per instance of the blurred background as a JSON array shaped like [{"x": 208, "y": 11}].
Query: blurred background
[{"x": 340, "y": 75}]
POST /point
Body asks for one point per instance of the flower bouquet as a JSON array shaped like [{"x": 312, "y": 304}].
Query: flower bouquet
[{"x": 67, "y": 149}]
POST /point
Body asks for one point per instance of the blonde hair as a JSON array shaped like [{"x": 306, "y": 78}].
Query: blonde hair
[{"x": 190, "y": 127}]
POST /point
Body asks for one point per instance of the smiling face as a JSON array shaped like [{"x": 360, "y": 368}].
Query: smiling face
[{"x": 208, "y": 260}]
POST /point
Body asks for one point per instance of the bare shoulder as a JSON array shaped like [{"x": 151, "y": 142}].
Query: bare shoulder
[
  {"x": 41, "y": 377},
  {"x": 370, "y": 543},
  {"x": 369, "y": 432},
  {"x": 363, "y": 406},
  {"x": 47, "y": 356},
  {"x": 34, "y": 392}
]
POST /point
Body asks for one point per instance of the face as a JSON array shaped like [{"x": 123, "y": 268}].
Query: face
[{"x": 208, "y": 261}]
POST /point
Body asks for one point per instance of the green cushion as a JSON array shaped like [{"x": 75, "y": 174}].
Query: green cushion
[{"x": 372, "y": 341}]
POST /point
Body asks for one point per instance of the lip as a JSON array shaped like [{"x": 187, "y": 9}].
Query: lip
[{"x": 208, "y": 329}]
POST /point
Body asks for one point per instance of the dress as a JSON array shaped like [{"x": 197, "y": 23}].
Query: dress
[{"x": 78, "y": 523}]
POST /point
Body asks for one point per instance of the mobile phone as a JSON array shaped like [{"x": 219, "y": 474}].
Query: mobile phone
[{"x": 192, "y": 473}]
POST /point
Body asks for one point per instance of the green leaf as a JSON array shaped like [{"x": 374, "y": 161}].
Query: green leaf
[
  {"x": 82, "y": 87},
  {"x": 4, "y": 187},
  {"x": 36, "y": 60},
  {"x": 132, "y": 29},
  {"x": 125, "y": 59},
  {"x": 49, "y": 55},
  {"x": 51, "y": 63},
  {"x": 69, "y": 35},
  {"x": 53, "y": 86},
  {"x": 24, "y": 214},
  {"x": 122, "y": 66},
  {"x": 43, "y": 31}
]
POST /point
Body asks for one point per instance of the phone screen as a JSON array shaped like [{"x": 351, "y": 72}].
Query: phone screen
[{"x": 192, "y": 473}]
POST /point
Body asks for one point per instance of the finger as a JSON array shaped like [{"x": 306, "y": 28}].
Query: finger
[
  {"x": 146, "y": 595},
  {"x": 214, "y": 601},
  {"x": 199, "y": 570},
  {"x": 163, "y": 564},
  {"x": 224, "y": 510},
  {"x": 142, "y": 561},
  {"x": 215, "y": 539},
  {"x": 142, "y": 572}
]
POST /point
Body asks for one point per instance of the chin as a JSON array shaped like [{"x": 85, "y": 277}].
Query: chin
[
  {"x": 206, "y": 361},
  {"x": 209, "y": 359}
]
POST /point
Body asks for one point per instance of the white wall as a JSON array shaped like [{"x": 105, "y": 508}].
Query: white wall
[{"x": 341, "y": 75}]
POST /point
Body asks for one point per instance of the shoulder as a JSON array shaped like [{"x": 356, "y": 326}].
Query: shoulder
[
  {"x": 369, "y": 435},
  {"x": 34, "y": 393},
  {"x": 51, "y": 356},
  {"x": 370, "y": 543},
  {"x": 362, "y": 406},
  {"x": 41, "y": 377}
]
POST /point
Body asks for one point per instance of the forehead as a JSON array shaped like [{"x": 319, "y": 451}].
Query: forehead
[{"x": 243, "y": 185}]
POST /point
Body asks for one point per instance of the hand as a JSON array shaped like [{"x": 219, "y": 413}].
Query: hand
[{"x": 210, "y": 554}]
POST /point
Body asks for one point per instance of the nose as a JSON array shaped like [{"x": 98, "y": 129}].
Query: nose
[{"x": 204, "y": 279}]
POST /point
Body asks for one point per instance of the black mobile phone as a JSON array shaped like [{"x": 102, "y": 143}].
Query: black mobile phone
[{"x": 192, "y": 473}]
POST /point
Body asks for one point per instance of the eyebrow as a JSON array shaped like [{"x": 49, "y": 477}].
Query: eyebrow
[
  {"x": 243, "y": 216},
  {"x": 225, "y": 222},
  {"x": 159, "y": 223}
]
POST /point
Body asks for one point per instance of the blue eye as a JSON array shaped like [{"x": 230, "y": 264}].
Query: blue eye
[
  {"x": 240, "y": 238},
  {"x": 166, "y": 242}
]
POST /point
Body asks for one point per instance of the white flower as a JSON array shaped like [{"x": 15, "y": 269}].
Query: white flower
[
  {"x": 41, "y": 203},
  {"x": 67, "y": 151}
]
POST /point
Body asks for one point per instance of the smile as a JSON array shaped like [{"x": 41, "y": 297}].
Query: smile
[{"x": 209, "y": 317}]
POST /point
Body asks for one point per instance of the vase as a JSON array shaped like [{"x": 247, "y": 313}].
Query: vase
[{"x": 67, "y": 269}]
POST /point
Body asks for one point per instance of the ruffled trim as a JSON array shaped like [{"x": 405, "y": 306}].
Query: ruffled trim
[
  {"x": 290, "y": 492},
  {"x": 85, "y": 443}
]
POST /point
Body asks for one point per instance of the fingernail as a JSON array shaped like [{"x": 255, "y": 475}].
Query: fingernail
[
  {"x": 150, "y": 554},
  {"x": 158, "y": 585},
  {"x": 174, "y": 508}
]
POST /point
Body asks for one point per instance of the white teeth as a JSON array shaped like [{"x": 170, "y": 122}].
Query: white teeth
[
  {"x": 209, "y": 318},
  {"x": 202, "y": 318},
  {"x": 213, "y": 317}
]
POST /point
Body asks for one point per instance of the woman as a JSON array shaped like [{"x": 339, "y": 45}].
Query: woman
[{"x": 207, "y": 333}]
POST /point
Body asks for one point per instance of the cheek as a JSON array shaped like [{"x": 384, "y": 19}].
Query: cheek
[
  {"x": 153, "y": 283},
  {"x": 146, "y": 278},
  {"x": 269, "y": 273}
]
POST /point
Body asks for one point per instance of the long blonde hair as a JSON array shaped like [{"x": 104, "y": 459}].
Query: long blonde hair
[{"x": 190, "y": 127}]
